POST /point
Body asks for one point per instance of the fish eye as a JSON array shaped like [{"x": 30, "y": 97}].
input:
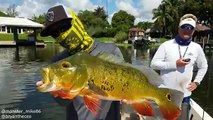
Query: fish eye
[
  {"x": 66, "y": 65},
  {"x": 168, "y": 96}
]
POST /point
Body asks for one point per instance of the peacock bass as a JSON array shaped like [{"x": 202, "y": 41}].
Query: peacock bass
[{"x": 107, "y": 77}]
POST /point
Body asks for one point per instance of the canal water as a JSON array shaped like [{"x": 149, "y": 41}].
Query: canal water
[{"x": 19, "y": 71}]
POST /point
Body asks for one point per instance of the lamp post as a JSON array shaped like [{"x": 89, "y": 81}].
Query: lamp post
[{"x": 107, "y": 10}]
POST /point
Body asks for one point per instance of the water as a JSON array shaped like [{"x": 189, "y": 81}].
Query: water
[{"x": 19, "y": 71}]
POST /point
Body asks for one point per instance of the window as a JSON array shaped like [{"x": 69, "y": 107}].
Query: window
[{"x": 3, "y": 28}]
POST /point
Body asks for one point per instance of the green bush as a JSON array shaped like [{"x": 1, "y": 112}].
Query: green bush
[{"x": 120, "y": 37}]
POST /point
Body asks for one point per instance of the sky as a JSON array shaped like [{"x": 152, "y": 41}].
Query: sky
[{"x": 141, "y": 9}]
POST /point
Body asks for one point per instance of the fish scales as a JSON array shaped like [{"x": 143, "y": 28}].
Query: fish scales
[{"x": 107, "y": 77}]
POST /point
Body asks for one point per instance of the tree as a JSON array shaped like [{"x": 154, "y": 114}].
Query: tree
[
  {"x": 144, "y": 25},
  {"x": 11, "y": 11},
  {"x": 161, "y": 15},
  {"x": 94, "y": 22},
  {"x": 86, "y": 18},
  {"x": 3, "y": 14},
  {"x": 167, "y": 14},
  {"x": 191, "y": 6},
  {"x": 100, "y": 13},
  {"x": 203, "y": 9},
  {"x": 40, "y": 18},
  {"x": 206, "y": 13},
  {"x": 122, "y": 21}
]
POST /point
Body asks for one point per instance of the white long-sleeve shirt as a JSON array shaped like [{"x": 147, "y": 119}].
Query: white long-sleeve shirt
[{"x": 179, "y": 77}]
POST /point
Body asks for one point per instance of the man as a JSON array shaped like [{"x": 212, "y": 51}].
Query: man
[
  {"x": 176, "y": 58},
  {"x": 63, "y": 25}
]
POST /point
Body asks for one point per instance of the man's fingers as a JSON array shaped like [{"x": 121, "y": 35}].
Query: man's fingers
[{"x": 39, "y": 83}]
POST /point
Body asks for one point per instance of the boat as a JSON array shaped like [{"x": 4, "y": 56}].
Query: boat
[{"x": 196, "y": 113}]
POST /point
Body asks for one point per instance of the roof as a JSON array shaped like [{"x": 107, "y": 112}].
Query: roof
[
  {"x": 153, "y": 29},
  {"x": 200, "y": 27},
  {"x": 19, "y": 22},
  {"x": 136, "y": 29}
]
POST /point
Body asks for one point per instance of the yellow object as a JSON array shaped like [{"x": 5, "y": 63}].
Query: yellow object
[{"x": 76, "y": 38}]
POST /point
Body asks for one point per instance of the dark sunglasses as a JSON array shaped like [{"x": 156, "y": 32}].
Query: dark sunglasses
[
  {"x": 62, "y": 27},
  {"x": 187, "y": 27}
]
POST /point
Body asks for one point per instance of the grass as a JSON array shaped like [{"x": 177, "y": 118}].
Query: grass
[
  {"x": 105, "y": 39},
  {"x": 9, "y": 37},
  {"x": 123, "y": 44},
  {"x": 162, "y": 40}
]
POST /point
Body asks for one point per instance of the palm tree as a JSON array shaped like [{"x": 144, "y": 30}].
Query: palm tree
[
  {"x": 167, "y": 15},
  {"x": 162, "y": 15}
]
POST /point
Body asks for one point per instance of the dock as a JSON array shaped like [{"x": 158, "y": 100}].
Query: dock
[{"x": 21, "y": 43}]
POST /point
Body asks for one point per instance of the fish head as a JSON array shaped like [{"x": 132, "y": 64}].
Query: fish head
[
  {"x": 170, "y": 104},
  {"x": 58, "y": 76}
]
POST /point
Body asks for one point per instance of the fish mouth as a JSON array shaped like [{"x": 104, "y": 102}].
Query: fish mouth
[{"x": 46, "y": 84}]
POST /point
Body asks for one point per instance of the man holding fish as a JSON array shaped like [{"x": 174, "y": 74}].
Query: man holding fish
[
  {"x": 91, "y": 74},
  {"x": 67, "y": 29}
]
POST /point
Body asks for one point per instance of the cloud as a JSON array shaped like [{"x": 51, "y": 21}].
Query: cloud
[
  {"x": 4, "y": 7},
  {"x": 142, "y": 10},
  {"x": 28, "y": 8},
  {"x": 127, "y": 5},
  {"x": 148, "y": 6},
  {"x": 77, "y": 5}
]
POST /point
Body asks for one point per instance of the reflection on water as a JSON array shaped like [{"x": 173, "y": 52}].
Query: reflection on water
[{"x": 19, "y": 71}]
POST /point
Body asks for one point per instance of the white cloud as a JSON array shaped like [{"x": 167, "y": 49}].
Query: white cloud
[
  {"x": 148, "y": 6},
  {"x": 4, "y": 7},
  {"x": 77, "y": 5},
  {"x": 29, "y": 8},
  {"x": 142, "y": 10},
  {"x": 127, "y": 5}
]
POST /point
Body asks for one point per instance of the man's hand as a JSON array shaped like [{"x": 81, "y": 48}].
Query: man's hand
[
  {"x": 192, "y": 86},
  {"x": 181, "y": 63},
  {"x": 39, "y": 83}
]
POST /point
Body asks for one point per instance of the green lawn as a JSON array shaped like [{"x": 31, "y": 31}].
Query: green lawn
[
  {"x": 9, "y": 37},
  {"x": 105, "y": 39}
]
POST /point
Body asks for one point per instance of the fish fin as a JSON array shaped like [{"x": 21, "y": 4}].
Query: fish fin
[
  {"x": 63, "y": 94},
  {"x": 111, "y": 58},
  {"x": 144, "y": 107},
  {"x": 92, "y": 104},
  {"x": 97, "y": 90},
  {"x": 152, "y": 76}
]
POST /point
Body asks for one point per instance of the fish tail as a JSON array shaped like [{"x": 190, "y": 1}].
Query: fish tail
[{"x": 144, "y": 107}]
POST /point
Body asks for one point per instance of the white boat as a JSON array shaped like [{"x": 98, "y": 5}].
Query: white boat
[{"x": 196, "y": 113}]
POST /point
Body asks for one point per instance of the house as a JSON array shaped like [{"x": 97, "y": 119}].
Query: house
[
  {"x": 135, "y": 34},
  {"x": 21, "y": 25}
]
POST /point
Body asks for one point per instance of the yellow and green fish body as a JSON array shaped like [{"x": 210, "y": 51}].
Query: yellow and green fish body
[{"x": 106, "y": 77}]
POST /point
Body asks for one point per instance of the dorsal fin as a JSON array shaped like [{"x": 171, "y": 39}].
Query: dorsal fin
[
  {"x": 111, "y": 58},
  {"x": 152, "y": 76}
]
